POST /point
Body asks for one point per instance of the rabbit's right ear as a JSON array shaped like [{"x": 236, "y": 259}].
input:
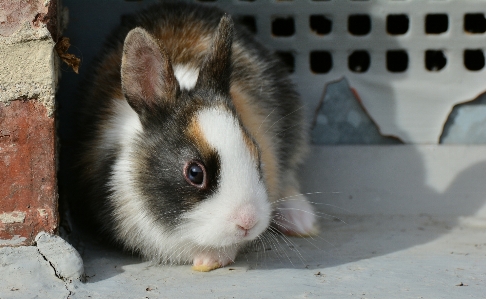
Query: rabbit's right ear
[
  {"x": 216, "y": 69},
  {"x": 147, "y": 76}
]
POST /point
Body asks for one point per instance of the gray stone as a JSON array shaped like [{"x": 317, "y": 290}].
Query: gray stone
[
  {"x": 341, "y": 119},
  {"x": 466, "y": 123},
  {"x": 65, "y": 260}
]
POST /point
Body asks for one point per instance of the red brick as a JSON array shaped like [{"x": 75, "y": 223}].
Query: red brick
[{"x": 28, "y": 194}]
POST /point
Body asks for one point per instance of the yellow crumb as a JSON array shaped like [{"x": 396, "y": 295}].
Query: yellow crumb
[{"x": 206, "y": 268}]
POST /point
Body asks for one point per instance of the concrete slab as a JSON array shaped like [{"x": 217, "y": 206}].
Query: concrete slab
[
  {"x": 396, "y": 222},
  {"x": 366, "y": 257},
  {"x": 26, "y": 274}
]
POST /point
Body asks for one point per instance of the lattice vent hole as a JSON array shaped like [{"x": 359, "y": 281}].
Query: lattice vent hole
[
  {"x": 320, "y": 24},
  {"x": 283, "y": 26},
  {"x": 359, "y": 24},
  {"x": 436, "y": 23},
  {"x": 359, "y": 61},
  {"x": 320, "y": 62},
  {"x": 474, "y": 23},
  {"x": 474, "y": 59},
  {"x": 396, "y": 61},
  {"x": 397, "y": 24},
  {"x": 288, "y": 59},
  {"x": 248, "y": 22},
  {"x": 435, "y": 60}
]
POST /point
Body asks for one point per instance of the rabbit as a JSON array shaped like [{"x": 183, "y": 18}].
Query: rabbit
[{"x": 191, "y": 136}]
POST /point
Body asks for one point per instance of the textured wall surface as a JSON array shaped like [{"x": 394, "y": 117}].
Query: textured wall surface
[{"x": 28, "y": 81}]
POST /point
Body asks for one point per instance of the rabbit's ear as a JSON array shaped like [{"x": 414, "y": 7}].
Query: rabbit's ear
[
  {"x": 147, "y": 76},
  {"x": 216, "y": 69}
]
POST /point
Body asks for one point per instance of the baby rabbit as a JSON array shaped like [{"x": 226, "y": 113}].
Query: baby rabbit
[{"x": 191, "y": 136}]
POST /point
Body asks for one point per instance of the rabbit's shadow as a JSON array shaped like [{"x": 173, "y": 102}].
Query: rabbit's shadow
[
  {"x": 355, "y": 226},
  {"x": 344, "y": 237}
]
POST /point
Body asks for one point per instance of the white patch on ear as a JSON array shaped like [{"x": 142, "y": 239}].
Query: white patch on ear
[
  {"x": 186, "y": 75},
  {"x": 241, "y": 194}
]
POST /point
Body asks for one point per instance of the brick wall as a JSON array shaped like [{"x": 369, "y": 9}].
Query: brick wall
[{"x": 28, "y": 81}]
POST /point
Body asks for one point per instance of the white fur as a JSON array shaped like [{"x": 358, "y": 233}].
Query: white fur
[
  {"x": 121, "y": 132},
  {"x": 186, "y": 75},
  {"x": 241, "y": 195}
]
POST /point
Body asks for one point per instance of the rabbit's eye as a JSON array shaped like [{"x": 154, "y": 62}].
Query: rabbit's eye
[{"x": 195, "y": 174}]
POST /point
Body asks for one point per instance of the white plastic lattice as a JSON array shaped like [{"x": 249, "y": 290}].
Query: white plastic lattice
[{"x": 409, "y": 60}]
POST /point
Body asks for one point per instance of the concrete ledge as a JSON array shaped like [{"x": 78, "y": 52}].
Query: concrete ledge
[{"x": 369, "y": 245}]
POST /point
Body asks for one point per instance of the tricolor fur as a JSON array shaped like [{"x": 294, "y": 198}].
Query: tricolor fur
[{"x": 191, "y": 87}]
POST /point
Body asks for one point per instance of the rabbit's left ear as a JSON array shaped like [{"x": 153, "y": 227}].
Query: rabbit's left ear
[
  {"x": 147, "y": 77},
  {"x": 216, "y": 69}
]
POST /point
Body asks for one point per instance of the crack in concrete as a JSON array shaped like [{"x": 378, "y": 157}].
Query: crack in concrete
[
  {"x": 63, "y": 259},
  {"x": 66, "y": 282}
]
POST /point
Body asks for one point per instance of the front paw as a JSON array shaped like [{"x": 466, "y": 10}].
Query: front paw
[
  {"x": 208, "y": 261},
  {"x": 296, "y": 217}
]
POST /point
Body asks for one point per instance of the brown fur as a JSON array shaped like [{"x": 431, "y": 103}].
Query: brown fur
[
  {"x": 254, "y": 121},
  {"x": 183, "y": 46},
  {"x": 195, "y": 134}
]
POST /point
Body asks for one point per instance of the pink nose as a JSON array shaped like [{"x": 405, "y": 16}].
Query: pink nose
[
  {"x": 245, "y": 218},
  {"x": 245, "y": 227}
]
